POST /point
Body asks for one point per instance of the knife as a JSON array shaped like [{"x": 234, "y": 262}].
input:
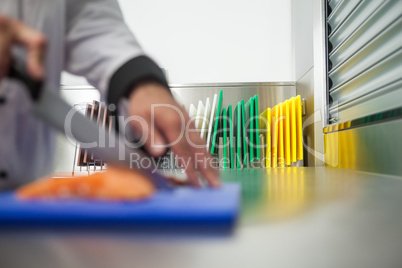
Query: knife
[{"x": 52, "y": 109}]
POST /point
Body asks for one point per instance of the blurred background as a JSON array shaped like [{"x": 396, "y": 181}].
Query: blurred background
[{"x": 339, "y": 206}]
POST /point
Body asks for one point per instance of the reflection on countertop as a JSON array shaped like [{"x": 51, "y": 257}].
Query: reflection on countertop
[
  {"x": 280, "y": 194},
  {"x": 291, "y": 217}
]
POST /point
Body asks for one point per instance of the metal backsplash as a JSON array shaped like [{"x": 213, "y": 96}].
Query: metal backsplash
[
  {"x": 270, "y": 94},
  {"x": 372, "y": 148}
]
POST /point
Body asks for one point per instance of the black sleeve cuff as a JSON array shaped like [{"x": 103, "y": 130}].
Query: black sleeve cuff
[{"x": 130, "y": 74}]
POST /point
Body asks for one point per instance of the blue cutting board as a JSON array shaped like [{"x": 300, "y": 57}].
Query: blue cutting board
[{"x": 184, "y": 210}]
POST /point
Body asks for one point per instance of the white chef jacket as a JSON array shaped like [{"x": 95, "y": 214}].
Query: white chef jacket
[{"x": 85, "y": 37}]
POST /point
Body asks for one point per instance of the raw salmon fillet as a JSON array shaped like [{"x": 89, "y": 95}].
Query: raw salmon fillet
[{"x": 113, "y": 184}]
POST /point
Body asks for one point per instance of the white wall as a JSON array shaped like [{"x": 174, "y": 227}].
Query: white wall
[
  {"x": 214, "y": 41},
  {"x": 302, "y": 37}
]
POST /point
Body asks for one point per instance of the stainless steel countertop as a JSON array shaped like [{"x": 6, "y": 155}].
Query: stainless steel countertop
[{"x": 294, "y": 217}]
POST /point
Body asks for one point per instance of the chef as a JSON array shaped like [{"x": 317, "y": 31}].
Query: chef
[{"x": 87, "y": 38}]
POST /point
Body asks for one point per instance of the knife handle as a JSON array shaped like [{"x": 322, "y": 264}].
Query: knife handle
[{"x": 18, "y": 72}]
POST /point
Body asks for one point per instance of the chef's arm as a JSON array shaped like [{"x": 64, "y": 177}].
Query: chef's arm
[{"x": 101, "y": 47}]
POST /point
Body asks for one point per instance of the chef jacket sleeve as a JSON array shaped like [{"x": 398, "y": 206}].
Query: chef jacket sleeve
[{"x": 100, "y": 47}]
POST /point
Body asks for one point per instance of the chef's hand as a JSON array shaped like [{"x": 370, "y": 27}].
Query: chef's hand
[
  {"x": 169, "y": 124},
  {"x": 14, "y": 32}
]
